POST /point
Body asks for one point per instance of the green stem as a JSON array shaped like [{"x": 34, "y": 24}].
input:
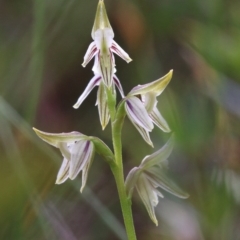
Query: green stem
[
  {"x": 117, "y": 169},
  {"x": 119, "y": 178}
]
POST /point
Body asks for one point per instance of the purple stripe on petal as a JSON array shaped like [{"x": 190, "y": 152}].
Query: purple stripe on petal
[
  {"x": 138, "y": 114},
  {"x": 130, "y": 105},
  {"x": 119, "y": 86},
  {"x": 87, "y": 146},
  {"x": 93, "y": 82},
  {"x": 91, "y": 52}
]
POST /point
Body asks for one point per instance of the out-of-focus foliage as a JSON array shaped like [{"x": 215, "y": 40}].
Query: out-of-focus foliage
[{"x": 42, "y": 44}]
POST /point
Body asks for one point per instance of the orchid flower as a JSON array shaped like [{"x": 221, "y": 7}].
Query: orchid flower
[
  {"x": 141, "y": 107},
  {"x": 77, "y": 151},
  {"x": 103, "y": 47},
  {"x": 149, "y": 176},
  {"x": 101, "y": 97}
]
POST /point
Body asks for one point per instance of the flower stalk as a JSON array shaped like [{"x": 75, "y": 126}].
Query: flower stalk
[{"x": 117, "y": 170}]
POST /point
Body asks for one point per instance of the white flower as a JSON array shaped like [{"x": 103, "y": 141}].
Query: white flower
[
  {"x": 103, "y": 47},
  {"x": 101, "y": 97},
  {"x": 141, "y": 107},
  {"x": 149, "y": 176},
  {"x": 77, "y": 151}
]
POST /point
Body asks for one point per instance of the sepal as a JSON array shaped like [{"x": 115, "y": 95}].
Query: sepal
[
  {"x": 55, "y": 138},
  {"x": 102, "y": 106},
  {"x": 101, "y": 19},
  {"x": 157, "y": 86},
  {"x": 131, "y": 180},
  {"x": 159, "y": 156}
]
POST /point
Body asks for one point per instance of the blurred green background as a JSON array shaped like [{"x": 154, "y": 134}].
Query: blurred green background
[{"x": 42, "y": 44}]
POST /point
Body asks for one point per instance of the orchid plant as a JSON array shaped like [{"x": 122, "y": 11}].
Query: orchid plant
[{"x": 140, "y": 105}]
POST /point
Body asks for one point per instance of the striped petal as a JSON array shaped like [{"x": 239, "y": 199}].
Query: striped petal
[
  {"x": 119, "y": 86},
  {"x": 102, "y": 106},
  {"x": 149, "y": 197},
  {"x": 138, "y": 114},
  {"x": 131, "y": 180},
  {"x": 91, "y": 52},
  {"x": 63, "y": 171},
  {"x": 80, "y": 155},
  {"x": 107, "y": 66},
  {"x": 120, "y": 52},
  {"x": 86, "y": 168},
  {"x": 93, "y": 82},
  {"x": 144, "y": 133},
  {"x": 161, "y": 180},
  {"x": 158, "y": 119}
]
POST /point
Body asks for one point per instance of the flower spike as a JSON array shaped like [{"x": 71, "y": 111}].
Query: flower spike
[
  {"x": 149, "y": 176},
  {"x": 102, "y": 49}
]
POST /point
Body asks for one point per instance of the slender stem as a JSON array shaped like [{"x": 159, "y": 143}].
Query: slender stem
[
  {"x": 117, "y": 169},
  {"x": 119, "y": 177}
]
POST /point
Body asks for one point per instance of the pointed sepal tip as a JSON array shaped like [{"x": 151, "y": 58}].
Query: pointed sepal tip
[{"x": 101, "y": 19}]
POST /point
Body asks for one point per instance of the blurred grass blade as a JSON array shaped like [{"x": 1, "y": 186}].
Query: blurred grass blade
[
  {"x": 14, "y": 156},
  {"x": 37, "y": 59}
]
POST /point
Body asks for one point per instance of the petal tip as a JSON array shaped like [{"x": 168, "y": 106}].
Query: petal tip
[
  {"x": 34, "y": 129},
  {"x": 39, "y": 133},
  {"x": 81, "y": 189},
  {"x": 185, "y": 196},
  {"x": 129, "y": 60},
  {"x": 165, "y": 128},
  {"x": 149, "y": 142},
  {"x": 170, "y": 73},
  {"x": 76, "y": 106},
  {"x": 58, "y": 181},
  {"x": 71, "y": 176}
]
